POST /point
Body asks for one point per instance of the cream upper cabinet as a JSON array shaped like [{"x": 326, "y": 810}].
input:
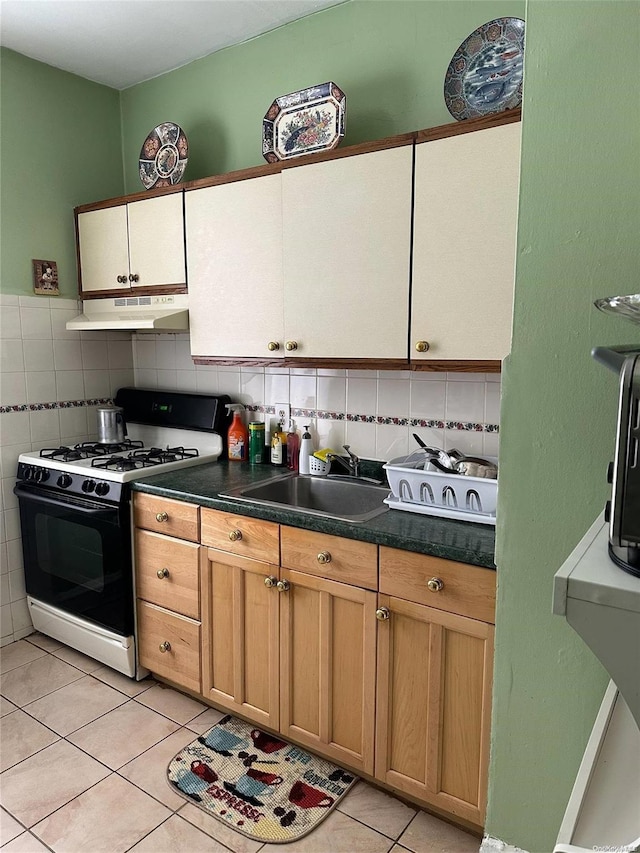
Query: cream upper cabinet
[
  {"x": 347, "y": 236},
  {"x": 465, "y": 217},
  {"x": 140, "y": 244},
  {"x": 234, "y": 251},
  {"x": 103, "y": 247}
]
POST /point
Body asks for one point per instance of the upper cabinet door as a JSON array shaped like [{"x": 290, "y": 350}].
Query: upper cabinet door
[
  {"x": 466, "y": 203},
  {"x": 104, "y": 253},
  {"x": 156, "y": 242},
  {"x": 347, "y": 234},
  {"x": 234, "y": 251}
]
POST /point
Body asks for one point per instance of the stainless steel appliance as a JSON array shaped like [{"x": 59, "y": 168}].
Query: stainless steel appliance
[
  {"x": 112, "y": 428},
  {"x": 622, "y": 512},
  {"x": 75, "y": 518}
]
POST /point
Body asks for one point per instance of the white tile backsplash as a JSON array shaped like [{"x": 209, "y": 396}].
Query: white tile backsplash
[{"x": 41, "y": 362}]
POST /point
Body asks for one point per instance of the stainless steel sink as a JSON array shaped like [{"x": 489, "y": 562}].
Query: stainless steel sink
[{"x": 346, "y": 499}]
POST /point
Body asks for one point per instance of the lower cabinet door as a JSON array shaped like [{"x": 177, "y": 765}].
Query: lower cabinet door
[
  {"x": 434, "y": 706},
  {"x": 169, "y": 645},
  {"x": 240, "y": 635},
  {"x": 328, "y": 650}
]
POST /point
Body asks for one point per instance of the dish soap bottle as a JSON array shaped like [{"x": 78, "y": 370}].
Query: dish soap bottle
[
  {"x": 279, "y": 446},
  {"x": 306, "y": 452},
  {"x": 238, "y": 435},
  {"x": 293, "y": 447}
]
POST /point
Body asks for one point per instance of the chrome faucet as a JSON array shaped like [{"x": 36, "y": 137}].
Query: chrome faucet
[{"x": 352, "y": 464}]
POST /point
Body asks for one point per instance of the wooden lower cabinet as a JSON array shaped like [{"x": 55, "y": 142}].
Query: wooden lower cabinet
[
  {"x": 433, "y": 706},
  {"x": 327, "y": 667},
  {"x": 169, "y": 645},
  {"x": 240, "y": 659}
]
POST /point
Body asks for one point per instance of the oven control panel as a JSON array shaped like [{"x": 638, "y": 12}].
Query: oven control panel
[{"x": 74, "y": 484}]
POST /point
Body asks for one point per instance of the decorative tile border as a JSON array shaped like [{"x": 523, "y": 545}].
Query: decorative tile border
[
  {"x": 321, "y": 414},
  {"x": 59, "y": 404}
]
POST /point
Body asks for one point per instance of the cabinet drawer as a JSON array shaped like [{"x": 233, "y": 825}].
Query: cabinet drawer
[
  {"x": 177, "y": 587},
  {"x": 331, "y": 557},
  {"x": 467, "y": 590},
  {"x": 181, "y": 661},
  {"x": 239, "y": 534},
  {"x": 173, "y": 518}
]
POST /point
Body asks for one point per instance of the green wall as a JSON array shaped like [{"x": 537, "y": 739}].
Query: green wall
[
  {"x": 577, "y": 240},
  {"x": 60, "y": 146},
  {"x": 389, "y": 56}
]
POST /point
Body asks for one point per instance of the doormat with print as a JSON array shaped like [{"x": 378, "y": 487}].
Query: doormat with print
[{"x": 257, "y": 784}]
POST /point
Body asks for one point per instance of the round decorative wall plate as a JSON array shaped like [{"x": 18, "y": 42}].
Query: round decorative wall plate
[
  {"x": 302, "y": 122},
  {"x": 163, "y": 156},
  {"x": 485, "y": 74}
]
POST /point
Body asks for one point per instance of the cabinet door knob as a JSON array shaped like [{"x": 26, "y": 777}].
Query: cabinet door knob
[
  {"x": 290, "y": 346},
  {"x": 163, "y": 573},
  {"x": 134, "y": 277},
  {"x": 270, "y": 581},
  {"x": 121, "y": 279},
  {"x": 235, "y": 535},
  {"x": 435, "y": 584},
  {"x": 382, "y": 614},
  {"x": 324, "y": 557},
  {"x": 165, "y": 647},
  {"x": 162, "y": 516},
  {"x": 283, "y": 586},
  {"x": 272, "y": 346},
  {"x": 422, "y": 346}
]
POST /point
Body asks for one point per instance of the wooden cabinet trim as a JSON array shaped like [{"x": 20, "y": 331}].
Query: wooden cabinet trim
[{"x": 468, "y": 126}]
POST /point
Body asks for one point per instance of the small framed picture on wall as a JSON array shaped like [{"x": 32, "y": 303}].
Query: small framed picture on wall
[{"x": 45, "y": 278}]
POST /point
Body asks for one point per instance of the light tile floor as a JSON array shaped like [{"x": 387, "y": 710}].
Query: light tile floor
[{"x": 84, "y": 752}]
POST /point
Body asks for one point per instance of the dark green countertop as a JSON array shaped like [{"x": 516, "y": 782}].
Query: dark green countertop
[{"x": 424, "y": 534}]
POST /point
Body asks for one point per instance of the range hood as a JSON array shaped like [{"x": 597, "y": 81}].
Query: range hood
[{"x": 134, "y": 313}]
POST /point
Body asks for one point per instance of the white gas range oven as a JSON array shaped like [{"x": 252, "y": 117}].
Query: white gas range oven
[{"x": 75, "y": 517}]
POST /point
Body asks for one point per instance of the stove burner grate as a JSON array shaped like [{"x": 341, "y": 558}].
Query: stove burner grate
[
  {"x": 144, "y": 458},
  {"x": 88, "y": 450}
]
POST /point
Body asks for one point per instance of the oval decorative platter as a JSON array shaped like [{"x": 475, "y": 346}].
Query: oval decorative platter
[
  {"x": 163, "y": 156},
  {"x": 302, "y": 122},
  {"x": 485, "y": 74}
]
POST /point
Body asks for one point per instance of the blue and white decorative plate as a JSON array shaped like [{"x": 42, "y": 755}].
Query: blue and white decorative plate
[
  {"x": 485, "y": 74},
  {"x": 309, "y": 120},
  {"x": 163, "y": 156}
]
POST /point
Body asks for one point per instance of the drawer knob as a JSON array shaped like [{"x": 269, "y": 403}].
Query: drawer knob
[
  {"x": 422, "y": 346},
  {"x": 435, "y": 584},
  {"x": 273, "y": 346},
  {"x": 270, "y": 581},
  {"x": 235, "y": 535},
  {"x": 163, "y": 573},
  {"x": 283, "y": 586},
  {"x": 382, "y": 614},
  {"x": 165, "y": 647},
  {"x": 162, "y": 516},
  {"x": 290, "y": 346},
  {"x": 324, "y": 557}
]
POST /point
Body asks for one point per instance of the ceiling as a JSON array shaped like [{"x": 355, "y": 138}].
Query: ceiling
[{"x": 123, "y": 42}]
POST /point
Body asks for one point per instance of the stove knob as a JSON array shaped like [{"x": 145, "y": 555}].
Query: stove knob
[
  {"x": 41, "y": 475},
  {"x": 607, "y": 511},
  {"x": 102, "y": 489},
  {"x": 610, "y": 470},
  {"x": 88, "y": 485},
  {"x": 30, "y": 472},
  {"x": 65, "y": 480}
]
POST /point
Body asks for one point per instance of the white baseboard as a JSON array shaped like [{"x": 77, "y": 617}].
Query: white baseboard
[{"x": 494, "y": 845}]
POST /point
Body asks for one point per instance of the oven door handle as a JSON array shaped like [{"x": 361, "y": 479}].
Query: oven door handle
[{"x": 77, "y": 504}]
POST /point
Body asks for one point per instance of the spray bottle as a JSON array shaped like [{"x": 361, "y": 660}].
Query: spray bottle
[{"x": 238, "y": 435}]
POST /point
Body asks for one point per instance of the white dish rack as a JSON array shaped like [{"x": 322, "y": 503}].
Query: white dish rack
[{"x": 417, "y": 487}]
